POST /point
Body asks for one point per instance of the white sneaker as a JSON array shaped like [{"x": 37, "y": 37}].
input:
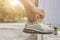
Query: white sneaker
[
  {"x": 37, "y": 28},
  {"x": 45, "y": 26}
]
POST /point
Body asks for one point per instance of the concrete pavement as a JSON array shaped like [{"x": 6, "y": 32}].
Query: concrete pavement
[{"x": 13, "y": 31}]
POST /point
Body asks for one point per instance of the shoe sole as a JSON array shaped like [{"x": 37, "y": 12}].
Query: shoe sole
[{"x": 35, "y": 32}]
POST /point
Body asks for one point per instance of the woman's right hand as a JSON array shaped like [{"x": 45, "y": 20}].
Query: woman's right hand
[{"x": 40, "y": 14}]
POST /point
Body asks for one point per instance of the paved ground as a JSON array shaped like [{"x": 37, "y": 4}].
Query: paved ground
[
  {"x": 50, "y": 37},
  {"x": 14, "y": 32}
]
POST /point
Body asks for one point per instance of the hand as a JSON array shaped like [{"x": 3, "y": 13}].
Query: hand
[{"x": 40, "y": 14}]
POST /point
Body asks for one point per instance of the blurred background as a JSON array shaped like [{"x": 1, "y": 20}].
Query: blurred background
[{"x": 12, "y": 11}]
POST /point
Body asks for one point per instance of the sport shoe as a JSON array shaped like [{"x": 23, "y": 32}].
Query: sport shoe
[
  {"x": 45, "y": 26},
  {"x": 36, "y": 28}
]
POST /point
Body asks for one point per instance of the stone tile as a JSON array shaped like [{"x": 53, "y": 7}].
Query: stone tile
[{"x": 15, "y": 34}]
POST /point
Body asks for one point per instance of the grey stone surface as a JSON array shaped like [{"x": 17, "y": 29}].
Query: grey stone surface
[
  {"x": 50, "y": 36},
  {"x": 15, "y": 32}
]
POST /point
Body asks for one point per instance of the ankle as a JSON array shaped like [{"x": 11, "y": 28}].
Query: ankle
[{"x": 32, "y": 22}]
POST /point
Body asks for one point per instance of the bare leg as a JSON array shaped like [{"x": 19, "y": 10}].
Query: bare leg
[{"x": 31, "y": 10}]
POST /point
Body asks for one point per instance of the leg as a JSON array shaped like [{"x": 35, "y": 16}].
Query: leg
[
  {"x": 31, "y": 10},
  {"x": 32, "y": 26}
]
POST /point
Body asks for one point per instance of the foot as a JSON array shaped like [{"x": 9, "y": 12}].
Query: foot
[{"x": 36, "y": 28}]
